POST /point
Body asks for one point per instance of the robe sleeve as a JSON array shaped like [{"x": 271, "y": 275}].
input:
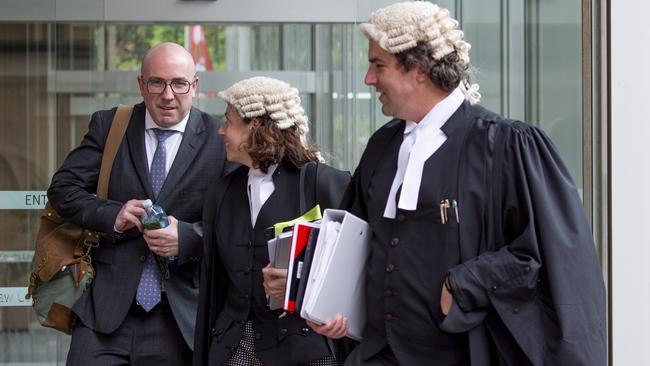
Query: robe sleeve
[
  {"x": 538, "y": 272},
  {"x": 541, "y": 227},
  {"x": 212, "y": 278}
]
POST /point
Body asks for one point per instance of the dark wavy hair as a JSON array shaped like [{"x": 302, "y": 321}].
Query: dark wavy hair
[
  {"x": 446, "y": 73},
  {"x": 268, "y": 145}
]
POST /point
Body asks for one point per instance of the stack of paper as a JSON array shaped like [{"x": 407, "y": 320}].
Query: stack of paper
[{"x": 302, "y": 231}]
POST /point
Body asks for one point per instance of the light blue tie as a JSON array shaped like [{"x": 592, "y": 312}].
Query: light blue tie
[{"x": 149, "y": 288}]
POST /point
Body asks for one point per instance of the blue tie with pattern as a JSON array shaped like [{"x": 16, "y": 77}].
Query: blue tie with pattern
[
  {"x": 149, "y": 288},
  {"x": 158, "y": 173}
]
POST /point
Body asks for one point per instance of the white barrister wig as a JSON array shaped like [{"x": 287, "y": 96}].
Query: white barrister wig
[
  {"x": 259, "y": 96},
  {"x": 399, "y": 27}
]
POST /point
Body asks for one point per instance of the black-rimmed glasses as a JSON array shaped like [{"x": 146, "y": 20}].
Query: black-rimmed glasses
[{"x": 179, "y": 86}]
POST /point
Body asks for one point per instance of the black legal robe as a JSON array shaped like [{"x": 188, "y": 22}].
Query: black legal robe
[
  {"x": 231, "y": 289},
  {"x": 527, "y": 281}
]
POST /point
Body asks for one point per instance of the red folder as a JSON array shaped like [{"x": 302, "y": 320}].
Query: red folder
[{"x": 301, "y": 232}]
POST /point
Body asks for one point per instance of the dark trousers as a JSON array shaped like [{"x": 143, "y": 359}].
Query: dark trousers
[
  {"x": 145, "y": 339},
  {"x": 385, "y": 357}
]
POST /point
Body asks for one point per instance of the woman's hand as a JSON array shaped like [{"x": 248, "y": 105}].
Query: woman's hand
[
  {"x": 335, "y": 328},
  {"x": 275, "y": 281}
]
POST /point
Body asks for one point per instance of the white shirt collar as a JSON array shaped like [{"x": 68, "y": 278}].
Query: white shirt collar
[
  {"x": 256, "y": 174},
  {"x": 439, "y": 114},
  {"x": 428, "y": 138},
  {"x": 260, "y": 187}
]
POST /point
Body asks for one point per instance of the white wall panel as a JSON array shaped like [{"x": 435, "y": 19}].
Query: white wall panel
[
  {"x": 630, "y": 134},
  {"x": 23, "y": 10}
]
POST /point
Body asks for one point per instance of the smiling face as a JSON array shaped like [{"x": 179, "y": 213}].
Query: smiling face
[
  {"x": 395, "y": 85},
  {"x": 168, "y": 62},
  {"x": 236, "y": 134}
]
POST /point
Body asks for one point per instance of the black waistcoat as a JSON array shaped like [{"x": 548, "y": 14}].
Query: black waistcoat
[
  {"x": 409, "y": 259},
  {"x": 243, "y": 251}
]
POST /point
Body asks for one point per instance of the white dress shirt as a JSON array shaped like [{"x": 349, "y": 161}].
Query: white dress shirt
[
  {"x": 172, "y": 143},
  {"x": 260, "y": 187},
  {"x": 421, "y": 141}
]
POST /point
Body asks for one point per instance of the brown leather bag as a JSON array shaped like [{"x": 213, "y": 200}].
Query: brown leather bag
[{"x": 62, "y": 264}]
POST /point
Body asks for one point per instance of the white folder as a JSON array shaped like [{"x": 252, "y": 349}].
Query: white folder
[{"x": 337, "y": 280}]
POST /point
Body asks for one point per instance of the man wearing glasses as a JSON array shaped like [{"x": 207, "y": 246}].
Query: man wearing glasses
[{"x": 141, "y": 307}]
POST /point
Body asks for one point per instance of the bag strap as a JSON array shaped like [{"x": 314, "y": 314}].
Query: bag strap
[
  {"x": 304, "y": 189},
  {"x": 115, "y": 136}
]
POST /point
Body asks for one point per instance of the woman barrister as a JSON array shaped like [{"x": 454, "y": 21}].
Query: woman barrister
[{"x": 264, "y": 130}]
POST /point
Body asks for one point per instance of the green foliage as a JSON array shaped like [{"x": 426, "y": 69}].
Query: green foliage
[
  {"x": 215, "y": 35},
  {"x": 133, "y": 40},
  {"x": 167, "y": 33}
]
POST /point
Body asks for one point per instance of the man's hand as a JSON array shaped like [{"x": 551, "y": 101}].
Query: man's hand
[
  {"x": 335, "y": 328},
  {"x": 275, "y": 281},
  {"x": 445, "y": 300},
  {"x": 163, "y": 242},
  {"x": 130, "y": 215}
]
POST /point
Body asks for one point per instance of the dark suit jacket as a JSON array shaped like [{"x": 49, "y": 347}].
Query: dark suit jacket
[
  {"x": 235, "y": 252},
  {"x": 118, "y": 261}
]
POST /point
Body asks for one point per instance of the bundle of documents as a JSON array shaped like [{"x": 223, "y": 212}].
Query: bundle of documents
[
  {"x": 279, "y": 249},
  {"x": 336, "y": 278},
  {"x": 297, "y": 273}
]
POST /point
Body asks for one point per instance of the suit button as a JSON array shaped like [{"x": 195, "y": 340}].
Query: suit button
[
  {"x": 304, "y": 330},
  {"x": 494, "y": 288},
  {"x": 213, "y": 331},
  {"x": 283, "y": 331},
  {"x": 143, "y": 258},
  {"x": 390, "y": 268},
  {"x": 401, "y": 217},
  {"x": 247, "y": 270},
  {"x": 258, "y": 336},
  {"x": 388, "y": 293},
  {"x": 527, "y": 269},
  {"x": 394, "y": 242},
  {"x": 515, "y": 310},
  {"x": 250, "y": 243}
]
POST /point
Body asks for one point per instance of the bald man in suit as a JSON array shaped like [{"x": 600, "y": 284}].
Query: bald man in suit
[{"x": 115, "y": 325}]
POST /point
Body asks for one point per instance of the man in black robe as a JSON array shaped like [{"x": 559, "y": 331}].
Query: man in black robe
[{"x": 481, "y": 253}]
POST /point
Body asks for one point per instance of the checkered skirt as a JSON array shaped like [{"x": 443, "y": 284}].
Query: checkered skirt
[{"x": 245, "y": 353}]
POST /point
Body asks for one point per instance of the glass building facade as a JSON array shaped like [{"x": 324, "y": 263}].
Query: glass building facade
[{"x": 528, "y": 56}]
